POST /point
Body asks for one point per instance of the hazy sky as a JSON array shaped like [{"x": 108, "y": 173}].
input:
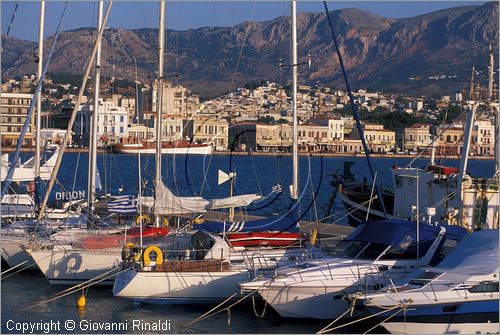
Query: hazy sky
[{"x": 183, "y": 15}]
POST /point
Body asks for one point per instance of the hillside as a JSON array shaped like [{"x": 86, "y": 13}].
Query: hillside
[{"x": 380, "y": 53}]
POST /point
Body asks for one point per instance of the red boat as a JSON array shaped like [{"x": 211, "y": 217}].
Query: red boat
[
  {"x": 148, "y": 232},
  {"x": 115, "y": 240},
  {"x": 267, "y": 239},
  {"x": 440, "y": 169}
]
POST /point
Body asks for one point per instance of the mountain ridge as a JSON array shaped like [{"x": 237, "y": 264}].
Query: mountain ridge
[{"x": 379, "y": 53}]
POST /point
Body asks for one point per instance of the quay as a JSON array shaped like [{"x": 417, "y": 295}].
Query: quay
[{"x": 280, "y": 154}]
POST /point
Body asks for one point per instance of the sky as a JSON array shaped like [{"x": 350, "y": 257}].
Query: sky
[{"x": 183, "y": 15}]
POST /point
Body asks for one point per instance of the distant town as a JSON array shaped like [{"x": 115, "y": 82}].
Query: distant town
[{"x": 254, "y": 118}]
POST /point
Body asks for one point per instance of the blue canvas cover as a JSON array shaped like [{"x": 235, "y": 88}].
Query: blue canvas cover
[
  {"x": 390, "y": 232},
  {"x": 477, "y": 251}
]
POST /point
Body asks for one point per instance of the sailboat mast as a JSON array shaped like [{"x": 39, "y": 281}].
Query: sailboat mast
[
  {"x": 73, "y": 115},
  {"x": 91, "y": 191},
  {"x": 295, "y": 133},
  {"x": 38, "y": 120},
  {"x": 490, "y": 73},
  {"x": 161, "y": 51},
  {"x": 469, "y": 125}
]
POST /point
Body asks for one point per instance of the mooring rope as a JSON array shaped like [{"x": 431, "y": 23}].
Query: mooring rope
[
  {"x": 255, "y": 309},
  {"x": 322, "y": 331},
  {"x": 74, "y": 289},
  {"x": 386, "y": 319},
  {"x": 12, "y": 268}
]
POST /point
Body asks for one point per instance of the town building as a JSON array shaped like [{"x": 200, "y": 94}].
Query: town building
[
  {"x": 417, "y": 137},
  {"x": 378, "y": 139},
  {"x": 112, "y": 123},
  {"x": 212, "y": 131},
  {"x": 483, "y": 138},
  {"x": 273, "y": 137},
  {"x": 242, "y": 136},
  {"x": 313, "y": 137},
  {"x": 450, "y": 140},
  {"x": 15, "y": 108},
  {"x": 176, "y": 100},
  {"x": 140, "y": 132}
]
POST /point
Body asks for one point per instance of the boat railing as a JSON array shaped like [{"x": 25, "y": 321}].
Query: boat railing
[
  {"x": 259, "y": 264},
  {"x": 133, "y": 257},
  {"x": 356, "y": 272},
  {"x": 373, "y": 278}
]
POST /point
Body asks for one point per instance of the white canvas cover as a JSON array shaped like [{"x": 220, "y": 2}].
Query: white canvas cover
[
  {"x": 167, "y": 203},
  {"x": 25, "y": 171}
]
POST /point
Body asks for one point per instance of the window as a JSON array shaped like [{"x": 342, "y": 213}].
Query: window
[
  {"x": 484, "y": 287},
  {"x": 121, "y": 130},
  {"x": 122, "y": 118},
  {"x": 354, "y": 249},
  {"x": 424, "y": 278},
  {"x": 407, "y": 248}
]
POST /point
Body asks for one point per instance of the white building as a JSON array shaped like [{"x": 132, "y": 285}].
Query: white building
[
  {"x": 112, "y": 122},
  {"x": 172, "y": 128},
  {"x": 14, "y": 110},
  {"x": 336, "y": 130},
  {"x": 483, "y": 138}
]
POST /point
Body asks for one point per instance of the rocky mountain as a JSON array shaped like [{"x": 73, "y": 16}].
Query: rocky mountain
[{"x": 379, "y": 53}]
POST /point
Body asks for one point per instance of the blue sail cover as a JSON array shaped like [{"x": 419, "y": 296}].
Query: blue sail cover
[
  {"x": 392, "y": 231},
  {"x": 287, "y": 222},
  {"x": 401, "y": 235}
]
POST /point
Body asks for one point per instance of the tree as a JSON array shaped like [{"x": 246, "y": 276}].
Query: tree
[
  {"x": 266, "y": 119},
  {"x": 450, "y": 113}
]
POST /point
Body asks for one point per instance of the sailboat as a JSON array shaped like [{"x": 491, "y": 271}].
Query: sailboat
[
  {"x": 96, "y": 253},
  {"x": 21, "y": 188},
  {"x": 197, "y": 267},
  {"x": 18, "y": 209}
]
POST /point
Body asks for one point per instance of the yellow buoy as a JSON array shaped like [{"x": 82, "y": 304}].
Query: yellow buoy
[{"x": 82, "y": 301}]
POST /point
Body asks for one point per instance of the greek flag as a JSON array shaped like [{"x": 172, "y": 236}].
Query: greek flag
[
  {"x": 277, "y": 188},
  {"x": 123, "y": 204}
]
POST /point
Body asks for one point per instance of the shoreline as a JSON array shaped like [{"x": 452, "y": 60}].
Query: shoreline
[{"x": 275, "y": 154}]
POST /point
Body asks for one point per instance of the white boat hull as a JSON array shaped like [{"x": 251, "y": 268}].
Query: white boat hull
[
  {"x": 179, "y": 287},
  {"x": 14, "y": 253},
  {"x": 441, "y": 328},
  {"x": 325, "y": 303},
  {"x": 195, "y": 150},
  {"x": 63, "y": 265}
]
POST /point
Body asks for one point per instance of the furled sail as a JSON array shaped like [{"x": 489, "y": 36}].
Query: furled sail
[{"x": 167, "y": 203}]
